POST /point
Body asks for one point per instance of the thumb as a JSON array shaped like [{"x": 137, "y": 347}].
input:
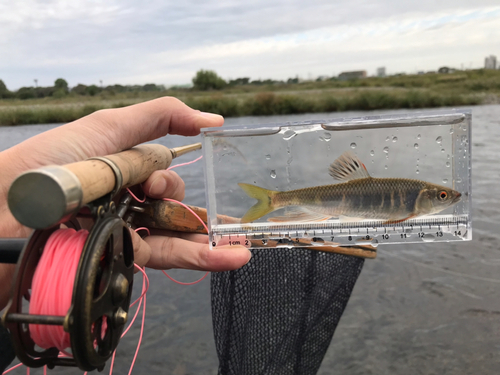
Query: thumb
[{"x": 109, "y": 131}]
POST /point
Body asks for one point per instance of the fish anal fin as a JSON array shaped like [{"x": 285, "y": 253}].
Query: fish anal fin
[
  {"x": 299, "y": 214},
  {"x": 400, "y": 220},
  {"x": 348, "y": 167}
]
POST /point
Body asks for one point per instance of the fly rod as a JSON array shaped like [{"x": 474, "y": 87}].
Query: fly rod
[{"x": 44, "y": 197}]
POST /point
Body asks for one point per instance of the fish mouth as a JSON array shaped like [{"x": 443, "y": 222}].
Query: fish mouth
[{"x": 457, "y": 198}]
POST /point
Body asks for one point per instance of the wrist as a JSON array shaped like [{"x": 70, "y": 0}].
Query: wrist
[
  {"x": 10, "y": 167},
  {"x": 6, "y": 279}
]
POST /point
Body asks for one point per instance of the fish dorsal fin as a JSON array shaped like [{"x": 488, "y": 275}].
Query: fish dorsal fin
[{"x": 348, "y": 167}]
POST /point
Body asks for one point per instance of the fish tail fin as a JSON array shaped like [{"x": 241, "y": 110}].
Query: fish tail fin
[{"x": 264, "y": 204}]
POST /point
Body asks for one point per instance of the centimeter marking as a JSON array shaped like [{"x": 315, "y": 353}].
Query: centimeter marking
[{"x": 339, "y": 227}]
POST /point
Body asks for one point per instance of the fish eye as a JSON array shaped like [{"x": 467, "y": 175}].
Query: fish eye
[{"x": 442, "y": 195}]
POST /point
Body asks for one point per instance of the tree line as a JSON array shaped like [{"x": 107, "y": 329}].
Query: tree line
[
  {"x": 203, "y": 80},
  {"x": 206, "y": 80},
  {"x": 61, "y": 89},
  {"x": 209, "y": 80}
]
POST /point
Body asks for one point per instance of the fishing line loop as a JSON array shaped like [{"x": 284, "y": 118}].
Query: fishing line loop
[{"x": 186, "y": 207}]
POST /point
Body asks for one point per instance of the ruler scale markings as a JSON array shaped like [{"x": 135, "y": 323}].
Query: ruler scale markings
[{"x": 436, "y": 229}]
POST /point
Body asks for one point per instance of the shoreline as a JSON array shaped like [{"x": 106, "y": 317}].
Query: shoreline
[
  {"x": 433, "y": 90},
  {"x": 264, "y": 103}
]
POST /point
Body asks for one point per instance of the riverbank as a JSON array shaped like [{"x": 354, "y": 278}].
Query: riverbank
[{"x": 417, "y": 91}]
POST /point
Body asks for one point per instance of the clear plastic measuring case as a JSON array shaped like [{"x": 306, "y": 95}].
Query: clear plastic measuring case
[{"x": 432, "y": 147}]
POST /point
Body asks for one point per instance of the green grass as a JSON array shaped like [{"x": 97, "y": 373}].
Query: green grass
[
  {"x": 44, "y": 115},
  {"x": 415, "y": 91},
  {"x": 270, "y": 103}
]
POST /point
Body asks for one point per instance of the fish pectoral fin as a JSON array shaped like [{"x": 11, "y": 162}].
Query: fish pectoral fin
[
  {"x": 399, "y": 220},
  {"x": 348, "y": 167},
  {"x": 299, "y": 214}
]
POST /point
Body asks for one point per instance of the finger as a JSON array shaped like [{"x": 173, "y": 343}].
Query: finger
[
  {"x": 170, "y": 252},
  {"x": 193, "y": 237},
  {"x": 150, "y": 120},
  {"x": 164, "y": 184},
  {"x": 142, "y": 250}
]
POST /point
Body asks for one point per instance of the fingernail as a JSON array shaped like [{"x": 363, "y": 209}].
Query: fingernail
[
  {"x": 249, "y": 257},
  {"x": 232, "y": 247},
  {"x": 158, "y": 186}
]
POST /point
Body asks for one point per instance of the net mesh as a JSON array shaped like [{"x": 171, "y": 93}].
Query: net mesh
[{"x": 277, "y": 314}]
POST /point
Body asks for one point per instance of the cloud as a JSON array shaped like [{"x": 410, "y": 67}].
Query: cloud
[
  {"x": 425, "y": 41},
  {"x": 166, "y": 42}
]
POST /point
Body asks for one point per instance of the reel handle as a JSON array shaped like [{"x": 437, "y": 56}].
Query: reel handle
[{"x": 49, "y": 195}]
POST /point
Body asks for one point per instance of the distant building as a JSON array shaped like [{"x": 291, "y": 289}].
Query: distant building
[
  {"x": 490, "y": 62},
  {"x": 381, "y": 71},
  {"x": 345, "y": 76}
]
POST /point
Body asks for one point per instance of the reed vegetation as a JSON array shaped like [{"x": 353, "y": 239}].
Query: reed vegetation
[{"x": 405, "y": 91}]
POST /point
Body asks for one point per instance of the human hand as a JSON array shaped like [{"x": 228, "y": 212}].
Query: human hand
[{"x": 107, "y": 132}]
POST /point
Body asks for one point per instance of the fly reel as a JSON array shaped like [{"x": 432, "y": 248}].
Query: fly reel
[
  {"x": 45, "y": 199},
  {"x": 100, "y": 299}
]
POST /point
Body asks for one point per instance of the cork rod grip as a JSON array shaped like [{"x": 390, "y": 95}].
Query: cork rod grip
[
  {"x": 136, "y": 165},
  {"x": 49, "y": 195}
]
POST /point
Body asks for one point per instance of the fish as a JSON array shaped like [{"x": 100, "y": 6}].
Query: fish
[{"x": 357, "y": 196}]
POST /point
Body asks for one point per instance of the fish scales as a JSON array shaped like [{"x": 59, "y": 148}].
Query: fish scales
[{"x": 368, "y": 198}]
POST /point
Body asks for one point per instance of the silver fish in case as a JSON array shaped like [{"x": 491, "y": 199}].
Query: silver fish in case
[{"x": 368, "y": 180}]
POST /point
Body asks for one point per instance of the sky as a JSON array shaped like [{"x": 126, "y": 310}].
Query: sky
[{"x": 167, "y": 42}]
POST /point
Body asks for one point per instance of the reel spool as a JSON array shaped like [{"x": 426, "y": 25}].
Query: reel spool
[{"x": 100, "y": 299}]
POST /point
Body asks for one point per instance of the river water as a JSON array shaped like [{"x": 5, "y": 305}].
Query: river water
[{"x": 416, "y": 309}]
